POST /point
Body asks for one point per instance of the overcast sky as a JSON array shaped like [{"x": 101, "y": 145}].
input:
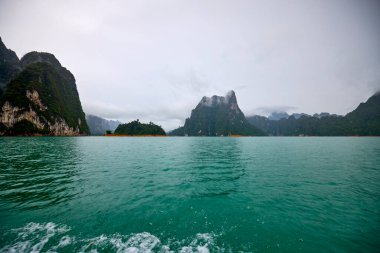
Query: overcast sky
[{"x": 154, "y": 60}]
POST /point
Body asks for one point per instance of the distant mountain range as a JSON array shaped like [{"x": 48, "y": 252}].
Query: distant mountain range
[
  {"x": 38, "y": 96},
  {"x": 278, "y": 115},
  {"x": 221, "y": 116},
  {"x": 284, "y": 115},
  {"x": 363, "y": 121},
  {"x": 217, "y": 116},
  {"x": 99, "y": 126}
]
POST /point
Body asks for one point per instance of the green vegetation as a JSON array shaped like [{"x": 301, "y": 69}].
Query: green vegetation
[
  {"x": 57, "y": 91},
  {"x": 137, "y": 128},
  {"x": 218, "y": 121},
  {"x": 58, "y": 99},
  {"x": 9, "y": 66},
  {"x": 180, "y": 131},
  {"x": 40, "y": 84},
  {"x": 364, "y": 121},
  {"x": 217, "y": 116}
]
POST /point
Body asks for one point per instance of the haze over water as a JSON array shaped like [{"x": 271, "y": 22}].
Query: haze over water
[{"x": 189, "y": 194}]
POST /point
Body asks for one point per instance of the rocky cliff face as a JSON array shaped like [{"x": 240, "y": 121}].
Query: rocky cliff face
[
  {"x": 99, "y": 126},
  {"x": 217, "y": 116},
  {"x": 11, "y": 116},
  {"x": 41, "y": 99}
]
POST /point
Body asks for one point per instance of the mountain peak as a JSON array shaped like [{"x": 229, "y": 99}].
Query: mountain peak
[
  {"x": 217, "y": 116},
  {"x": 229, "y": 98},
  {"x": 34, "y": 57},
  {"x": 39, "y": 99},
  {"x": 9, "y": 65},
  {"x": 2, "y": 45},
  {"x": 7, "y": 55},
  {"x": 277, "y": 115}
]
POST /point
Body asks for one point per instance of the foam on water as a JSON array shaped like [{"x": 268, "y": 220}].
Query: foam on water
[{"x": 51, "y": 237}]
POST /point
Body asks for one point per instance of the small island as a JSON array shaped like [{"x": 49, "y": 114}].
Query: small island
[{"x": 136, "y": 128}]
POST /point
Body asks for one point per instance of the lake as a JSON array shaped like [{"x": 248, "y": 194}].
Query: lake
[{"x": 189, "y": 194}]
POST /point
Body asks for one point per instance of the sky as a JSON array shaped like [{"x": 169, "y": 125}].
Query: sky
[{"x": 155, "y": 60}]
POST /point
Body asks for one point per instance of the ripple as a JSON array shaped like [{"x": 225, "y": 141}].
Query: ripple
[{"x": 257, "y": 192}]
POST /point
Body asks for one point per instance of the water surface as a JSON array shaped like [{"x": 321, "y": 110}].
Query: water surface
[{"x": 99, "y": 194}]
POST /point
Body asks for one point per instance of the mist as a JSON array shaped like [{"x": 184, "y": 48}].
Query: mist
[{"x": 154, "y": 61}]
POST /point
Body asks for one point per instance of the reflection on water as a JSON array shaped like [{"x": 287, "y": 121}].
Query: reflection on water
[
  {"x": 37, "y": 172},
  {"x": 215, "y": 166}
]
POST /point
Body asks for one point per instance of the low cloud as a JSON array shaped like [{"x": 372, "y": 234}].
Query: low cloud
[
  {"x": 267, "y": 110},
  {"x": 155, "y": 60},
  {"x": 168, "y": 117},
  {"x": 189, "y": 81}
]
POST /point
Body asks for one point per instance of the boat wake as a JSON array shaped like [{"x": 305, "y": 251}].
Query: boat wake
[{"x": 51, "y": 237}]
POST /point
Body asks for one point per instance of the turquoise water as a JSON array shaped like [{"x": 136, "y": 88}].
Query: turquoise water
[{"x": 106, "y": 194}]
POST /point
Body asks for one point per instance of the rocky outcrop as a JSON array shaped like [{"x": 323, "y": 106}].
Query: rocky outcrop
[
  {"x": 34, "y": 97},
  {"x": 217, "y": 116},
  {"x": 60, "y": 128},
  {"x": 41, "y": 99},
  {"x": 11, "y": 115}
]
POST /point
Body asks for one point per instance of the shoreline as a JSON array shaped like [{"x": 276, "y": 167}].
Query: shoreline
[
  {"x": 231, "y": 136},
  {"x": 129, "y": 135}
]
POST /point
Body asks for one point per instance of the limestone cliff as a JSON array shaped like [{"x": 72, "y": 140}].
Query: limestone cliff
[
  {"x": 217, "y": 116},
  {"x": 42, "y": 99}
]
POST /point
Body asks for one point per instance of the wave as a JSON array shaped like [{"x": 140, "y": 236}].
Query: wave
[{"x": 51, "y": 237}]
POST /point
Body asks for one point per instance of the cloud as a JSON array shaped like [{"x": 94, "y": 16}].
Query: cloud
[
  {"x": 189, "y": 80},
  {"x": 267, "y": 110},
  {"x": 156, "y": 60},
  {"x": 168, "y": 117},
  {"x": 106, "y": 110}
]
